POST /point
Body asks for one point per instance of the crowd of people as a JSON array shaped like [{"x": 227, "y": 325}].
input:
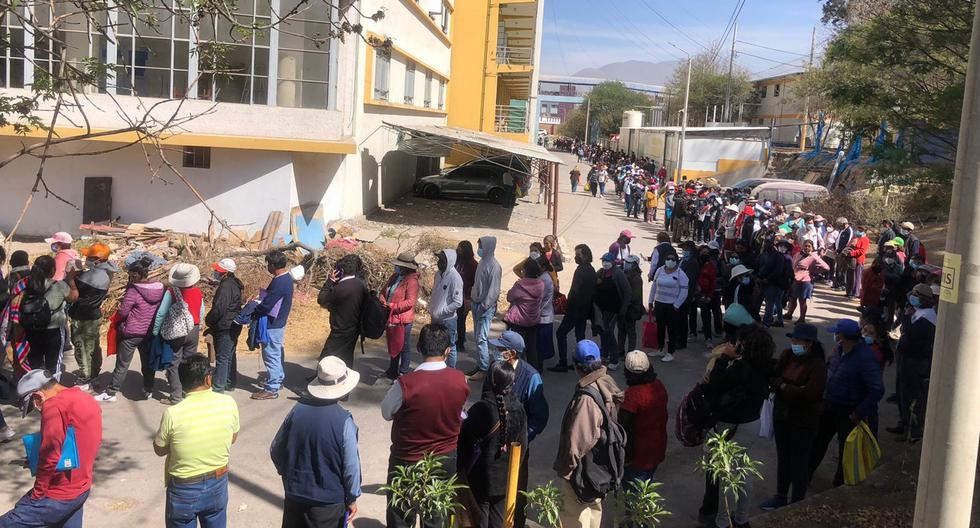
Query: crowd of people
[{"x": 738, "y": 266}]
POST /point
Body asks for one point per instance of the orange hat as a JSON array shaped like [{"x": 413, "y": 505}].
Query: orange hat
[{"x": 97, "y": 250}]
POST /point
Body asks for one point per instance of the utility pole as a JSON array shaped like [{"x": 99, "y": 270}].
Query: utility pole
[
  {"x": 727, "y": 111},
  {"x": 806, "y": 102},
  {"x": 680, "y": 143},
  {"x": 588, "y": 109},
  {"x": 944, "y": 495}
]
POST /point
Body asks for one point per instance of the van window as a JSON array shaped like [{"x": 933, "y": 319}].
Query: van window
[
  {"x": 792, "y": 197},
  {"x": 768, "y": 194}
]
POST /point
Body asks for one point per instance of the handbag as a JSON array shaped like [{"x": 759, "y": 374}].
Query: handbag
[
  {"x": 111, "y": 335},
  {"x": 178, "y": 322},
  {"x": 736, "y": 314},
  {"x": 766, "y": 429},
  {"x": 560, "y": 303},
  {"x": 861, "y": 454},
  {"x": 651, "y": 338}
]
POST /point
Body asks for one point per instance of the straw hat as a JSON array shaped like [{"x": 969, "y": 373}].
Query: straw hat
[
  {"x": 740, "y": 270},
  {"x": 333, "y": 379},
  {"x": 406, "y": 260},
  {"x": 184, "y": 275}
]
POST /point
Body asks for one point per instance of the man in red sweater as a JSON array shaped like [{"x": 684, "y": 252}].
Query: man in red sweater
[
  {"x": 426, "y": 408},
  {"x": 58, "y": 495}
]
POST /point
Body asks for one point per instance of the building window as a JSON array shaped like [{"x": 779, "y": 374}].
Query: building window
[
  {"x": 11, "y": 48},
  {"x": 197, "y": 157},
  {"x": 428, "y": 90},
  {"x": 763, "y": 92},
  {"x": 382, "y": 66},
  {"x": 409, "y": 82},
  {"x": 775, "y": 90},
  {"x": 442, "y": 94},
  {"x": 150, "y": 61},
  {"x": 304, "y": 54},
  {"x": 445, "y": 20}
]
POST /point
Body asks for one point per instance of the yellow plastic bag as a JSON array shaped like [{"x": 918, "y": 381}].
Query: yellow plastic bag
[
  {"x": 587, "y": 187},
  {"x": 861, "y": 454}
]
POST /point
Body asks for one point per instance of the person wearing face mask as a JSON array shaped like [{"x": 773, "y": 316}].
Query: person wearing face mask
[
  {"x": 447, "y": 298},
  {"x": 914, "y": 353},
  {"x": 636, "y": 311},
  {"x": 876, "y": 336},
  {"x": 220, "y": 321},
  {"x": 705, "y": 298},
  {"x": 804, "y": 264},
  {"x": 343, "y": 295},
  {"x": 800, "y": 378},
  {"x": 58, "y": 497},
  {"x": 669, "y": 202},
  {"x": 913, "y": 246},
  {"x": 775, "y": 277},
  {"x": 692, "y": 269},
  {"x": 872, "y": 284},
  {"x": 668, "y": 293},
  {"x": 885, "y": 234},
  {"x": 830, "y": 251},
  {"x": 277, "y": 304},
  {"x": 854, "y": 386},
  {"x": 524, "y": 313},
  {"x": 659, "y": 253},
  {"x": 842, "y": 253},
  {"x": 857, "y": 252},
  {"x": 86, "y": 312},
  {"x": 893, "y": 293},
  {"x": 486, "y": 291},
  {"x": 613, "y": 296},
  {"x": 63, "y": 253},
  {"x": 400, "y": 294},
  {"x": 620, "y": 249},
  {"x": 580, "y": 307}
]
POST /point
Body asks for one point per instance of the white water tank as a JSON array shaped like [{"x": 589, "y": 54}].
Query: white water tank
[{"x": 632, "y": 119}]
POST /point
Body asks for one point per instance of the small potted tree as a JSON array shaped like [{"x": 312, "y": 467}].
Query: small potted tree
[
  {"x": 424, "y": 490},
  {"x": 643, "y": 505},
  {"x": 728, "y": 464},
  {"x": 544, "y": 505}
]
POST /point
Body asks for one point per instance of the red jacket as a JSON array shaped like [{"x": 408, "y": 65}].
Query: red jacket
[
  {"x": 859, "y": 248},
  {"x": 70, "y": 407},
  {"x": 871, "y": 286},
  {"x": 403, "y": 299},
  {"x": 707, "y": 279}
]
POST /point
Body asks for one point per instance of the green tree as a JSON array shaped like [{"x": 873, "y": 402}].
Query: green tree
[
  {"x": 907, "y": 67},
  {"x": 709, "y": 82},
  {"x": 608, "y": 102}
]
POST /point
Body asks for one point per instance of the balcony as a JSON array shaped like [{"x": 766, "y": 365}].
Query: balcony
[
  {"x": 515, "y": 55},
  {"x": 511, "y": 118}
]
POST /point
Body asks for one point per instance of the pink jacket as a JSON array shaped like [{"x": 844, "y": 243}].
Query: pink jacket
[
  {"x": 802, "y": 266},
  {"x": 138, "y": 308},
  {"x": 525, "y": 299},
  {"x": 403, "y": 299}
]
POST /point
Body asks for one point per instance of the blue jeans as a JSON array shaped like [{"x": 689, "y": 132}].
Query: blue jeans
[
  {"x": 272, "y": 358},
  {"x": 773, "y": 296},
  {"x": 226, "y": 361},
  {"x": 205, "y": 501},
  {"x": 45, "y": 512},
  {"x": 481, "y": 330},
  {"x": 450, "y": 325}
]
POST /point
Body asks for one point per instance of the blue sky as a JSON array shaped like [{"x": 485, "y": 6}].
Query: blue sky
[{"x": 590, "y": 33}]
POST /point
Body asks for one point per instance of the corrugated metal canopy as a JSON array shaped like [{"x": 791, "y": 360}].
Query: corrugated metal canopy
[{"x": 478, "y": 140}]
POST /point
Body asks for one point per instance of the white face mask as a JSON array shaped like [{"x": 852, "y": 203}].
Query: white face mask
[
  {"x": 781, "y": 249},
  {"x": 535, "y": 255},
  {"x": 607, "y": 265},
  {"x": 670, "y": 263}
]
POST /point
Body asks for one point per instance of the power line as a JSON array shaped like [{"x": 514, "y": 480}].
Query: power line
[
  {"x": 671, "y": 24},
  {"x": 561, "y": 50},
  {"x": 773, "y": 49},
  {"x": 768, "y": 59},
  {"x": 656, "y": 47},
  {"x": 728, "y": 28}
]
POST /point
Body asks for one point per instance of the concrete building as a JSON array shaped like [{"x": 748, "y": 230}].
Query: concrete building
[
  {"x": 728, "y": 154},
  {"x": 781, "y": 108},
  {"x": 495, "y": 52},
  {"x": 296, "y": 127},
  {"x": 560, "y": 94}
]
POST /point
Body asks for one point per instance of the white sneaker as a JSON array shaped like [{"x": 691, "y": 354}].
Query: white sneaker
[
  {"x": 667, "y": 358},
  {"x": 6, "y": 434},
  {"x": 612, "y": 367},
  {"x": 84, "y": 387},
  {"x": 659, "y": 353},
  {"x": 105, "y": 397}
]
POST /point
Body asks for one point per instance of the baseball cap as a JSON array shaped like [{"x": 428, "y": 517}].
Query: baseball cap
[
  {"x": 637, "y": 362},
  {"x": 848, "y": 327},
  {"x": 509, "y": 340},
  {"x": 97, "y": 250},
  {"x": 804, "y": 332},
  {"x": 908, "y": 225},
  {"x": 608, "y": 257},
  {"x": 30, "y": 383},
  {"x": 60, "y": 237},
  {"x": 627, "y": 233},
  {"x": 586, "y": 351},
  {"x": 225, "y": 265}
]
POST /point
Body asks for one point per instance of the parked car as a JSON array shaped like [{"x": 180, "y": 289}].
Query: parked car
[
  {"x": 477, "y": 179},
  {"x": 788, "y": 192}
]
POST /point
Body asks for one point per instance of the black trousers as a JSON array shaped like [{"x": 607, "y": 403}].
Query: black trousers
[
  {"x": 340, "y": 344},
  {"x": 692, "y": 318},
  {"x": 568, "y": 323},
  {"x": 492, "y": 511},
  {"x": 46, "y": 348},
  {"x": 913, "y": 392},
  {"x": 835, "y": 421},
  {"x": 793, "y": 445},
  {"x": 398, "y": 519},
  {"x": 530, "y": 335},
  {"x": 461, "y": 328},
  {"x": 667, "y": 325},
  {"x": 300, "y": 515},
  {"x": 682, "y": 324}
]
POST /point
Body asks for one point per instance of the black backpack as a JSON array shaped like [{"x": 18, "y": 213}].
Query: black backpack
[
  {"x": 601, "y": 469},
  {"x": 374, "y": 316},
  {"x": 35, "y": 313}
]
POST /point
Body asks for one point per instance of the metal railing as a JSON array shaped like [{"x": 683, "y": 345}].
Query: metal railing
[
  {"x": 509, "y": 118},
  {"x": 511, "y": 55}
]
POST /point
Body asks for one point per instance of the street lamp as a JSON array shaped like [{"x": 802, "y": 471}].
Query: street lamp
[{"x": 680, "y": 144}]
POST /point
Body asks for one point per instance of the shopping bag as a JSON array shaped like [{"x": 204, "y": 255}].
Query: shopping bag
[
  {"x": 112, "y": 334},
  {"x": 69, "y": 451},
  {"x": 588, "y": 187},
  {"x": 650, "y": 336},
  {"x": 861, "y": 454},
  {"x": 560, "y": 303},
  {"x": 765, "y": 419}
]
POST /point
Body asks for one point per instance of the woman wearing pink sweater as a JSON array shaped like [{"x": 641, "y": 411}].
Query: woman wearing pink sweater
[{"x": 805, "y": 262}]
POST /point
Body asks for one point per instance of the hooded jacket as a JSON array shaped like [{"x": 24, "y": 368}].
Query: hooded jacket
[
  {"x": 525, "y": 299},
  {"x": 138, "y": 308},
  {"x": 447, "y": 290},
  {"x": 581, "y": 426},
  {"x": 581, "y": 295},
  {"x": 226, "y": 304},
  {"x": 93, "y": 288},
  {"x": 486, "y": 285}
]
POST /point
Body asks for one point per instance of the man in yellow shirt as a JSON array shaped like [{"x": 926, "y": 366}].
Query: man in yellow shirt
[
  {"x": 652, "y": 200},
  {"x": 196, "y": 437}
]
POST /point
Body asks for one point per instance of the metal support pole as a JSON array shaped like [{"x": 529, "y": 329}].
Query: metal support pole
[
  {"x": 944, "y": 495},
  {"x": 513, "y": 472},
  {"x": 588, "y": 110},
  {"x": 806, "y": 102},
  {"x": 554, "y": 202},
  {"x": 547, "y": 195}
]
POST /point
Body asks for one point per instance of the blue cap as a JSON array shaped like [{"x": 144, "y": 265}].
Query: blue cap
[
  {"x": 848, "y": 327},
  {"x": 608, "y": 257},
  {"x": 509, "y": 340},
  {"x": 586, "y": 351}
]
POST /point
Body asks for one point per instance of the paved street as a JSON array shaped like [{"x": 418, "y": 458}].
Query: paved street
[{"x": 129, "y": 477}]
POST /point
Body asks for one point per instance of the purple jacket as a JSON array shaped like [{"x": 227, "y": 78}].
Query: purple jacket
[
  {"x": 139, "y": 307},
  {"x": 525, "y": 299}
]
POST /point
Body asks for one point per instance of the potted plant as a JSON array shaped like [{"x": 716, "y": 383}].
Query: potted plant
[
  {"x": 424, "y": 490},
  {"x": 544, "y": 505},
  {"x": 643, "y": 505},
  {"x": 728, "y": 464}
]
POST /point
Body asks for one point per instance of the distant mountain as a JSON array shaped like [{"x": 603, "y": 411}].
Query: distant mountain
[{"x": 633, "y": 71}]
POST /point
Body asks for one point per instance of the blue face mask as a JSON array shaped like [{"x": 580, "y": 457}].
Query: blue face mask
[
  {"x": 798, "y": 350},
  {"x": 746, "y": 280},
  {"x": 914, "y": 264},
  {"x": 915, "y": 301},
  {"x": 479, "y": 252},
  {"x": 869, "y": 340},
  {"x": 859, "y": 234},
  {"x": 734, "y": 261}
]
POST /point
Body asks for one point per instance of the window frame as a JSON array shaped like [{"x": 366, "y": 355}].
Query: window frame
[
  {"x": 196, "y": 157},
  {"x": 381, "y": 88},
  {"x": 410, "y": 68}
]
